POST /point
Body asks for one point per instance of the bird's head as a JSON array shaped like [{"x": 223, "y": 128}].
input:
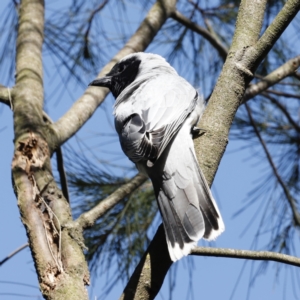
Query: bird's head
[{"x": 129, "y": 68}]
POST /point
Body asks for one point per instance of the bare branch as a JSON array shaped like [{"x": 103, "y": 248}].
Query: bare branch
[
  {"x": 274, "y": 77},
  {"x": 216, "y": 43},
  {"x": 88, "y": 218},
  {"x": 247, "y": 254},
  {"x": 85, "y": 106},
  {"x": 286, "y": 191},
  {"x": 13, "y": 253}
]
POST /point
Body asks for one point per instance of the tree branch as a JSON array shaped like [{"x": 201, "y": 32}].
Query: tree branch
[
  {"x": 283, "y": 94},
  {"x": 149, "y": 274},
  {"x": 229, "y": 90},
  {"x": 274, "y": 31},
  {"x": 5, "y": 95},
  {"x": 274, "y": 77},
  {"x": 284, "y": 111},
  {"x": 247, "y": 254},
  {"x": 89, "y": 218},
  {"x": 13, "y": 254},
  {"x": 222, "y": 50},
  {"x": 59, "y": 261},
  {"x": 291, "y": 200},
  {"x": 28, "y": 91},
  {"x": 85, "y": 106},
  {"x": 90, "y": 20}
]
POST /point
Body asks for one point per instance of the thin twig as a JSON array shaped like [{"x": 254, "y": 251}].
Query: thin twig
[
  {"x": 289, "y": 197},
  {"x": 13, "y": 254},
  {"x": 283, "y": 94},
  {"x": 90, "y": 20},
  {"x": 60, "y": 165},
  {"x": 222, "y": 50},
  {"x": 247, "y": 254},
  {"x": 62, "y": 174},
  {"x": 284, "y": 110}
]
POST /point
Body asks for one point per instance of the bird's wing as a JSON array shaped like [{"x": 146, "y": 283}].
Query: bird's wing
[{"x": 161, "y": 108}]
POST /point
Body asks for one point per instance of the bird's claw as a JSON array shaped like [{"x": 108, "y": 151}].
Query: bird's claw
[{"x": 196, "y": 131}]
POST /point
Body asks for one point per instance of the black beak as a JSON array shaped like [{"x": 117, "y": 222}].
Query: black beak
[{"x": 104, "y": 81}]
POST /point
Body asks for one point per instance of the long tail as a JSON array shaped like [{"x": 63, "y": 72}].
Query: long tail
[{"x": 188, "y": 210}]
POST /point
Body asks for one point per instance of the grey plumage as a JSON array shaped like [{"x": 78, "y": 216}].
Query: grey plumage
[{"x": 155, "y": 112}]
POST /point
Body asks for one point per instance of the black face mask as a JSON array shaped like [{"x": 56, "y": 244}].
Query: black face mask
[{"x": 120, "y": 76}]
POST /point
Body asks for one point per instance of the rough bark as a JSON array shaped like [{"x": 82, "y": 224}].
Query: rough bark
[{"x": 61, "y": 267}]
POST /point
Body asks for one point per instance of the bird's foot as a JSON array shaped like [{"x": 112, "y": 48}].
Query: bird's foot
[{"x": 196, "y": 131}]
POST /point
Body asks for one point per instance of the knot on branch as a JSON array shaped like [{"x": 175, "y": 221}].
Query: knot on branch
[
  {"x": 75, "y": 231},
  {"x": 30, "y": 153},
  {"x": 243, "y": 69}
]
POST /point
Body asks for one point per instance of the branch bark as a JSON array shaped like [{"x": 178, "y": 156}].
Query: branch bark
[
  {"x": 149, "y": 275},
  {"x": 61, "y": 267},
  {"x": 5, "y": 95},
  {"x": 274, "y": 31},
  {"x": 85, "y": 106}
]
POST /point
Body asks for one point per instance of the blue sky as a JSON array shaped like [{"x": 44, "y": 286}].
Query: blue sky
[{"x": 213, "y": 278}]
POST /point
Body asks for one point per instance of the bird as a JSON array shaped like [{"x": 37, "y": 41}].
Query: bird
[{"x": 156, "y": 112}]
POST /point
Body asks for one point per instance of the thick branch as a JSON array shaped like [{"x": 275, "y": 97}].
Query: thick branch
[
  {"x": 29, "y": 69},
  {"x": 149, "y": 275},
  {"x": 84, "y": 107},
  {"x": 222, "y": 50},
  {"x": 274, "y": 31},
  {"x": 88, "y": 218},
  {"x": 274, "y": 77},
  {"x": 229, "y": 90},
  {"x": 247, "y": 254},
  {"x": 248, "y": 25},
  {"x": 286, "y": 191},
  {"x": 61, "y": 267}
]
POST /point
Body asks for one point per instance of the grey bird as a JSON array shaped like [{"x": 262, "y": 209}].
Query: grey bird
[{"x": 156, "y": 112}]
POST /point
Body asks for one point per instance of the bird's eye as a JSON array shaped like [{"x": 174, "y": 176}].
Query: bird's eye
[{"x": 121, "y": 68}]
